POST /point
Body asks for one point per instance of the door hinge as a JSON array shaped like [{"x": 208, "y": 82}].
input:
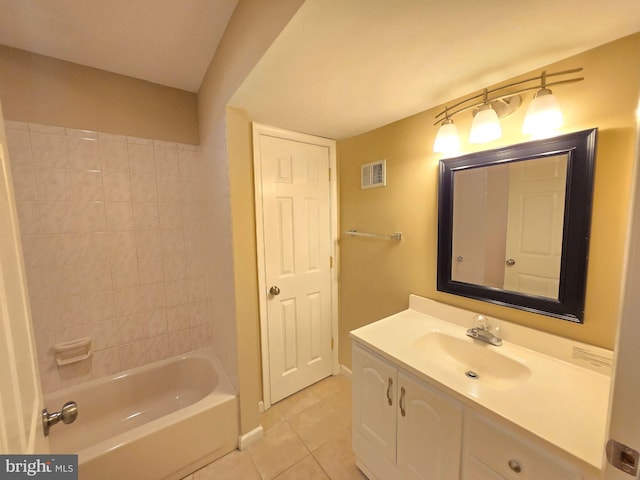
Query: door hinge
[
  {"x": 329, "y": 174},
  {"x": 331, "y": 262},
  {"x": 331, "y": 343}
]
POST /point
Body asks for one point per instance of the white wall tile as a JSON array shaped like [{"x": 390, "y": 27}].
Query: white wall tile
[
  {"x": 170, "y": 215},
  {"x": 57, "y": 217},
  {"x": 122, "y": 246},
  {"x": 141, "y": 159},
  {"x": 146, "y": 215},
  {"x": 19, "y": 147},
  {"x": 89, "y": 216},
  {"x": 87, "y": 185},
  {"x": 28, "y": 217},
  {"x": 179, "y": 342},
  {"x": 149, "y": 243},
  {"x": 128, "y": 301},
  {"x": 125, "y": 274},
  {"x": 175, "y": 267},
  {"x": 49, "y": 150},
  {"x": 53, "y": 184},
  {"x": 105, "y": 363},
  {"x": 93, "y": 247},
  {"x": 114, "y": 157},
  {"x": 104, "y": 334},
  {"x": 177, "y": 318},
  {"x": 64, "y": 281},
  {"x": 60, "y": 249},
  {"x": 24, "y": 182},
  {"x": 176, "y": 293},
  {"x": 155, "y": 323},
  {"x": 77, "y": 133},
  {"x": 169, "y": 188},
  {"x": 51, "y": 129},
  {"x": 119, "y": 216},
  {"x": 96, "y": 277},
  {"x": 151, "y": 270},
  {"x": 167, "y": 161},
  {"x": 130, "y": 328},
  {"x": 173, "y": 242},
  {"x": 189, "y": 163},
  {"x": 144, "y": 188},
  {"x": 84, "y": 154},
  {"x": 100, "y": 306},
  {"x": 117, "y": 187}
]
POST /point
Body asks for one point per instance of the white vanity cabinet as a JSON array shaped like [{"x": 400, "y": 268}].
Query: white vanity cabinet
[
  {"x": 406, "y": 429},
  {"x": 402, "y": 428}
]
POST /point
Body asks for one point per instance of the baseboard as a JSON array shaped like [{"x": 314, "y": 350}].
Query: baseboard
[
  {"x": 345, "y": 371},
  {"x": 261, "y": 406},
  {"x": 250, "y": 438}
]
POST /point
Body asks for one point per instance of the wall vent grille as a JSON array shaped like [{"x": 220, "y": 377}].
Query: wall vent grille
[{"x": 373, "y": 174}]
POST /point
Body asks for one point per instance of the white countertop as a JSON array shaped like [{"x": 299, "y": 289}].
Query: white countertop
[{"x": 561, "y": 401}]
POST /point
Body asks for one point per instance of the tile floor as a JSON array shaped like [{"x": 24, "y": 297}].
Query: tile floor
[{"x": 306, "y": 437}]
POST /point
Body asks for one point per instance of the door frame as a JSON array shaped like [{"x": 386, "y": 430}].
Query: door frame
[{"x": 259, "y": 129}]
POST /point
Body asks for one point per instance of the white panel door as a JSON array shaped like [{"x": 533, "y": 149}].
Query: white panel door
[
  {"x": 535, "y": 225},
  {"x": 429, "y": 432},
  {"x": 296, "y": 227},
  {"x": 20, "y": 395}
]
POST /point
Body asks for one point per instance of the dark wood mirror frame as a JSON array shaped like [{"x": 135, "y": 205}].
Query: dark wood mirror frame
[{"x": 580, "y": 149}]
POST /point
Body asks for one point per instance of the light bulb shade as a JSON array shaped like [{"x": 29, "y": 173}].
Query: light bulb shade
[
  {"x": 543, "y": 116},
  {"x": 447, "y": 139},
  {"x": 485, "y": 126}
]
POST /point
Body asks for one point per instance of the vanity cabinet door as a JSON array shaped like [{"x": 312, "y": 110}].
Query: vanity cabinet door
[
  {"x": 429, "y": 432},
  {"x": 374, "y": 384}
]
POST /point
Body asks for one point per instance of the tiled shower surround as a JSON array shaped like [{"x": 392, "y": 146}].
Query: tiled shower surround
[{"x": 113, "y": 235}]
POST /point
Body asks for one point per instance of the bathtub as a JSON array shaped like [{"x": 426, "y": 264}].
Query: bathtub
[{"x": 160, "y": 421}]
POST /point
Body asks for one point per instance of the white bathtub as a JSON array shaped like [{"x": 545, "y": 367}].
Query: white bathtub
[{"x": 159, "y": 421}]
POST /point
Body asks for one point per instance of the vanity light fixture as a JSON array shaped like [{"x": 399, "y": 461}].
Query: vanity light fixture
[
  {"x": 486, "y": 124},
  {"x": 543, "y": 116},
  {"x": 447, "y": 139}
]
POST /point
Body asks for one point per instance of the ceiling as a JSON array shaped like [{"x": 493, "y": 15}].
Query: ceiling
[
  {"x": 170, "y": 42},
  {"x": 340, "y": 67}
]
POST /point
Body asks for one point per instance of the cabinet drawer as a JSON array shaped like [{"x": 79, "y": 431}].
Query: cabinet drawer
[{"x": 509, "y": 454}]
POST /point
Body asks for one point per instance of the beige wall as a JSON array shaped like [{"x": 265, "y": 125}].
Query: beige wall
[
  {"x": 40, "y": 89},
  {"x": 377, "y": 277},
  {"x": 226, "y": 145}
]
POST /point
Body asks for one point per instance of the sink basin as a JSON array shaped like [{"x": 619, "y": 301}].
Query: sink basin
[{"x": 481, "y": 362}]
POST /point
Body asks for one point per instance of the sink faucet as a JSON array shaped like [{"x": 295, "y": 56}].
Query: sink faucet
[{"x": 481, "y": 331}]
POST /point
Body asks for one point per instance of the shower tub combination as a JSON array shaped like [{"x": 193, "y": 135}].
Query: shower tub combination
[{"x": 160, "y": 421}]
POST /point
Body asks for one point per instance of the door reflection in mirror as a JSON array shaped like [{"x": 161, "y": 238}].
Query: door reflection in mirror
[{"x": 508, "y": 223}]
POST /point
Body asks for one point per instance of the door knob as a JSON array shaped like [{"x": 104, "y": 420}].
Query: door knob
[
  {"x": 274, "y": 290},
  {"x": 511, "y": 262},
  {"x": 67, "y": 414}
]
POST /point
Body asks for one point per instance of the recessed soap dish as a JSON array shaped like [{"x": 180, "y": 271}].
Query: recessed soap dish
[{"x": 73, "y": 351}]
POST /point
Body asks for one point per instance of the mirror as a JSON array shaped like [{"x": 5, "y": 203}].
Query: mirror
[{"x": 513, "y": 224}]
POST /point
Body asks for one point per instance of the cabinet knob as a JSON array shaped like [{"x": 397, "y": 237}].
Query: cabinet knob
[{"x": 515, "y": 465}]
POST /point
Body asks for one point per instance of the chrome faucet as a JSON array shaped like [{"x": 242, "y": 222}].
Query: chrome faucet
[{"x": 481, "y": 331}]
